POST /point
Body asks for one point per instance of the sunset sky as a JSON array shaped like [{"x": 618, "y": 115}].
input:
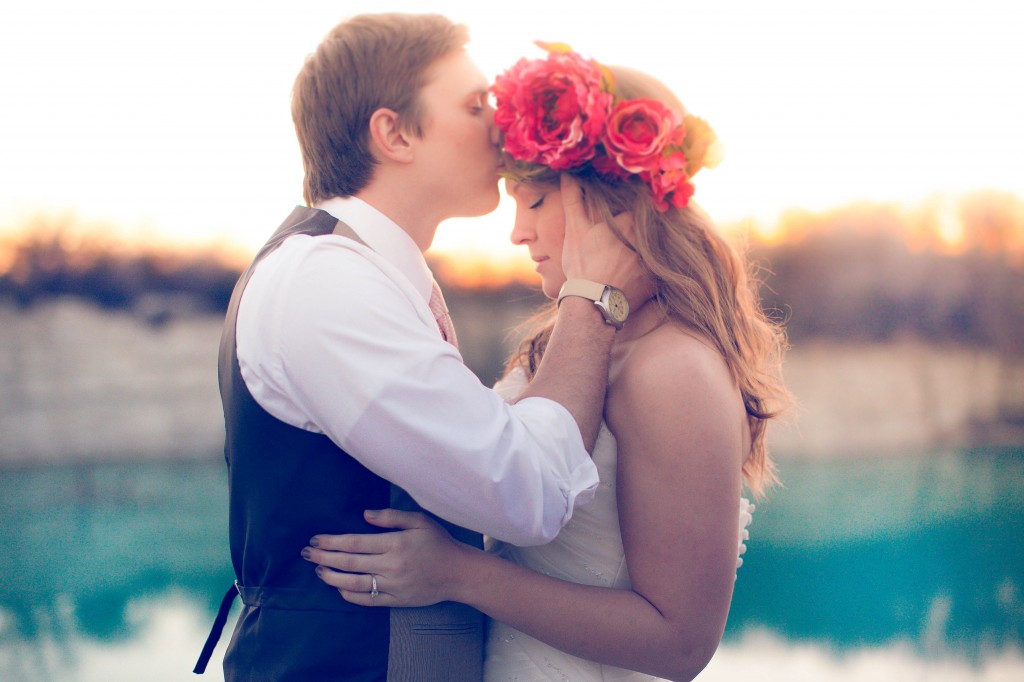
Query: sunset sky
[{"x": 170, "y": 119}]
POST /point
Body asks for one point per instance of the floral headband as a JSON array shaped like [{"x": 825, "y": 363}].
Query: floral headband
[{"x": 561, "y": 112}]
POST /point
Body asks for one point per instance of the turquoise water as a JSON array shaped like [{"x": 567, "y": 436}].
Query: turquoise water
[{"x": 904, "y": 568}]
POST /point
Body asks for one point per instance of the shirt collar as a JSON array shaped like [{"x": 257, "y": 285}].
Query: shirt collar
[{"x": 385, "y": 237}]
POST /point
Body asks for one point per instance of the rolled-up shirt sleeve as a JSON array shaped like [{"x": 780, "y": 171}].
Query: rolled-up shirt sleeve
[{"x": 342, "y": 345}]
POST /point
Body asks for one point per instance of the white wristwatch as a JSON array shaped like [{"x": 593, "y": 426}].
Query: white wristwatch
[{"x": 610, "y": 301}]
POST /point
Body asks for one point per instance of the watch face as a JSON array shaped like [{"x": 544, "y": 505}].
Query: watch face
[{"x": 618, "y": 306}]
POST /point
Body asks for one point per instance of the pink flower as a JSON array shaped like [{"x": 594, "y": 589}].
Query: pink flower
[
  {"x": 669, "y": 183},
  {"x": 639, "y": 131},
  {"x": 552, "y": 111}
]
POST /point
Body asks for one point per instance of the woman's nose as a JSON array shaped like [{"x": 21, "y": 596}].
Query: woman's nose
[{"x": 520, "y": 234}]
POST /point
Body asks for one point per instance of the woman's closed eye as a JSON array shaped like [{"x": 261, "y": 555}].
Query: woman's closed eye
[{"x": 538, "y": 203}]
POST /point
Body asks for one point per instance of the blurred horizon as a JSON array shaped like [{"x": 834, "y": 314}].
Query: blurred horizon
[
  {"x": 987, "y": 221},
  {"x": 947, "y": 272}
]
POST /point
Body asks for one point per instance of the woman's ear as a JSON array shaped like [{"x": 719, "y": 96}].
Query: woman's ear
[{"x": 388, "y": 138}]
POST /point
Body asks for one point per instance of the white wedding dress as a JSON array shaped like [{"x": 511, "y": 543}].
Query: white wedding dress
[{"x": 587, "y": 551}]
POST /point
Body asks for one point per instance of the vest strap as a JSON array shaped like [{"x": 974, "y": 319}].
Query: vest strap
[
  {"x": 215, "y": 631},
  {"x": 343, "y": 230}
]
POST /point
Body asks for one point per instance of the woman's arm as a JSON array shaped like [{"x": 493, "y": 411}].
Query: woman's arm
[
  {"x": 680, "y": 430},
  {"x": 682, "y": 437}
]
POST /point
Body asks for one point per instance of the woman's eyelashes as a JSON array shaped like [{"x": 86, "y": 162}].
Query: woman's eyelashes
[{"x": 537, "y": 204}]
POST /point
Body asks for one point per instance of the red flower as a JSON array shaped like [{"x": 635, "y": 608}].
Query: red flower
[
  {"x": 669, "y": 183},
  {"x": 558, "y": 112},
  {"x": 639, "y": 131},
  {"x": 552, "y": 111},
  {"x": 608, "y": 167}
]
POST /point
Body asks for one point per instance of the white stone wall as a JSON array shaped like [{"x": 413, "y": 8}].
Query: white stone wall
[
  {"x": 899, "y": 397},
  {"x": 80, "y": 383}
]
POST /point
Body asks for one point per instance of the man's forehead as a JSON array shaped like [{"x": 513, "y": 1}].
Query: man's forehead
[{"x": 457, "y": 71}]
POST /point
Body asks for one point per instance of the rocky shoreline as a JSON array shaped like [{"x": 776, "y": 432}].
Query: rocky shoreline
[{"x": 82, "y": 384}]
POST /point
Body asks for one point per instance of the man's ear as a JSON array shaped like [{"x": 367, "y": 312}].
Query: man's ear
[{"x": 388, "y": 137}]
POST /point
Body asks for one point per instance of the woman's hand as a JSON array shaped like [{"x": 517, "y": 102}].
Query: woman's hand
[
  {"x": 594, "y": 252},
  {"x": 416, "y": 566}
]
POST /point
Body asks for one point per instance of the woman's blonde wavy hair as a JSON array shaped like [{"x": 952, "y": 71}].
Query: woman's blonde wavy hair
[{"x": 703, "y": 283}]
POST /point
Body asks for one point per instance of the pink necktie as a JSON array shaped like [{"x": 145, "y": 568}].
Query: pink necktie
[{"x": 441, "y": 316}]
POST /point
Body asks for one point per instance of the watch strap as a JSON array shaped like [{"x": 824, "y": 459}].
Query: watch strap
[{"x": 581, "y": 287}]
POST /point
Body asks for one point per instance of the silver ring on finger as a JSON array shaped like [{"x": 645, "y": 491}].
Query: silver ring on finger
[{"x": 373, "y": 586}]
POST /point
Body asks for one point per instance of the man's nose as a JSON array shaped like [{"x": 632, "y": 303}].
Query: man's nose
[{"x": 495, "y": 131}]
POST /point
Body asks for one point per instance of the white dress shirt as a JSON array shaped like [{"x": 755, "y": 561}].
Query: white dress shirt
[{"x": 337, "y": 338}]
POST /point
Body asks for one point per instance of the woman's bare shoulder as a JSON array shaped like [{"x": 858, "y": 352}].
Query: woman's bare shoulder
[
  {"x": 673, "y": 358},
  {"x": 673, "y": 396}
]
